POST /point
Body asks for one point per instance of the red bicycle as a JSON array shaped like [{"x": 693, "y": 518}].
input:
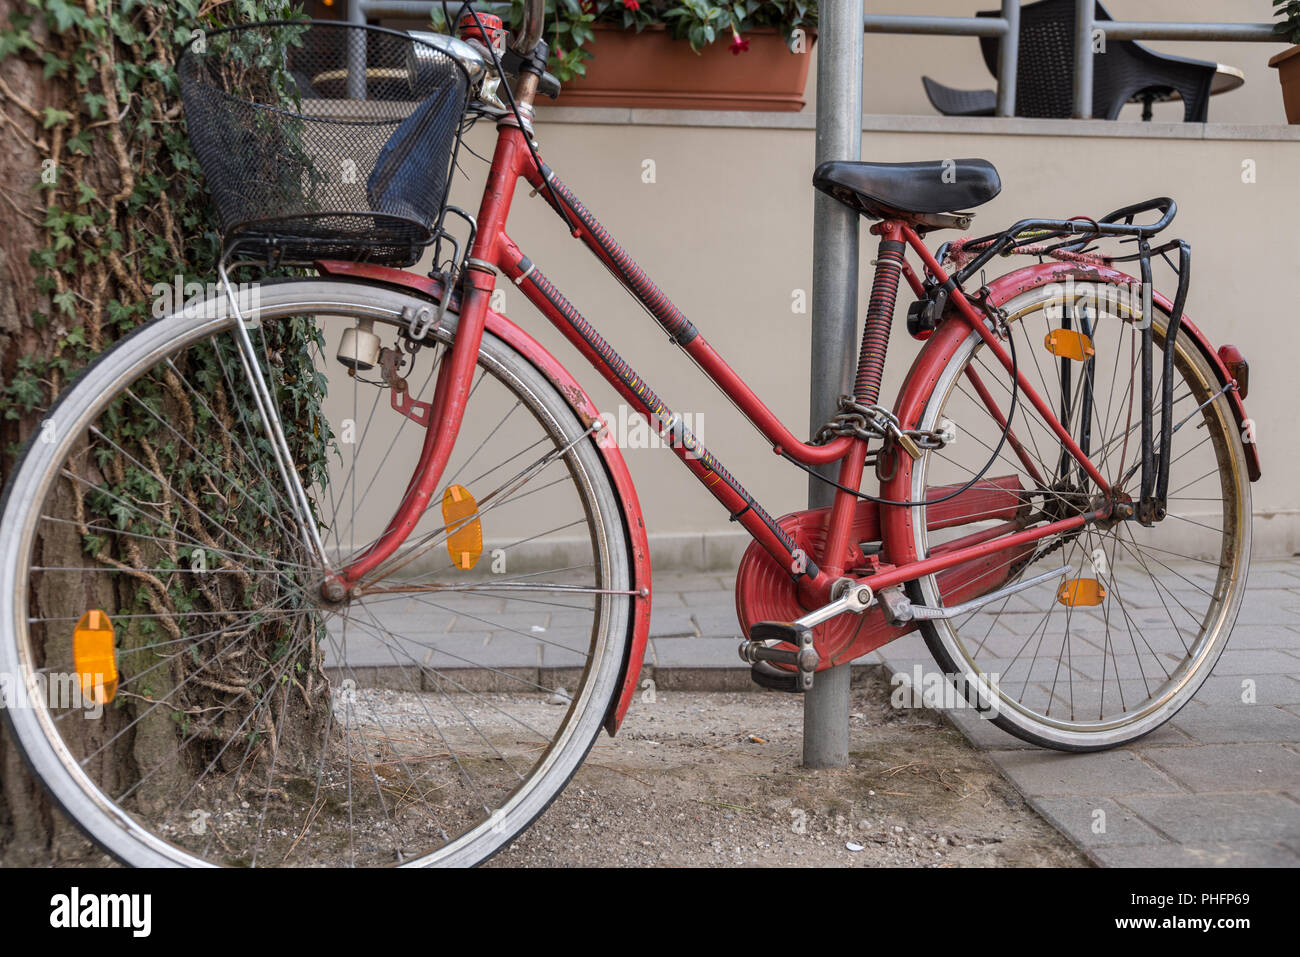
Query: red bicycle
[{"x": 394, "y": 630}]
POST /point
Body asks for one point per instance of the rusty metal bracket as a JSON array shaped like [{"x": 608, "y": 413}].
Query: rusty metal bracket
[{"x": 390, "y": 360}]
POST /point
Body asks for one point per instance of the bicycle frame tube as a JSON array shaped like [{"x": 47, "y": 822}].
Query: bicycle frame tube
[{"x": 494, "y": 251}]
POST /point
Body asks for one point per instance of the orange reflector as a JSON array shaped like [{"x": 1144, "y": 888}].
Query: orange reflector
[
  {"x": 1081, "y": 591},
  {"x": 465, "y": 538},
  {"x": 95, "y": 656},
  {"x": 1069, "y": 344}
]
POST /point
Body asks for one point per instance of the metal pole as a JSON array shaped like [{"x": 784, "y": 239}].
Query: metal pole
[
  {"x": 1083, "y": 10},
  {"x": 1009, "y": 58},
  {"x": 356, "y": 84},
  {"x": 936, "y": 26},
  {"x": 1149, "y": 30},
  {"x": 835, "y": 317}
]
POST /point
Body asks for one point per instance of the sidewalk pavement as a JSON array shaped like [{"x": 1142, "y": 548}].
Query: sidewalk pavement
[{"x": 1217, "y": 785}]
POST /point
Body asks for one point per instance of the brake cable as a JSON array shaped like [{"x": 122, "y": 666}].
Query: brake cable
[{"x": 526, "y": 130}]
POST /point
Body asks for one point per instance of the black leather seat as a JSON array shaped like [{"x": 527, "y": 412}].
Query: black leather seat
[{"x": 881, "y": 190}]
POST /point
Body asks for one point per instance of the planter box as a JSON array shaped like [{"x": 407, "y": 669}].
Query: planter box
[
  {"x": 1288, "y": 71},
  {"x": 651, "y": 70}
]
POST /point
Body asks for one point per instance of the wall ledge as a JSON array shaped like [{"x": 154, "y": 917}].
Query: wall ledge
[{"x": 881, "y": 123}]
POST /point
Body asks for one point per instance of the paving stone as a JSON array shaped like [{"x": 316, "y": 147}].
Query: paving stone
[
  {"x": 485, "y": 651},
  {"x": 1268, "y": 576},
  {"x": 1267, "y": 689},
  {"x": 1259, "y": 611},
  {"x": 1208, "y": 818},
  {"x": 1246, "y": 662},
  {"x": 363, "y": 651},
  {"x": 559, "y": 656},
  {"x": 717, "y": 622},
  {"x": 516, "y": 621},
  {"x": 666, "y": 622},
  {"x": 1079, "y": 818},
  {"x": 1103, "y": 773},
  {"x": 709, "y": 599},
  {"x": 666, "y": 598},
  {"x": 984, "y": 734},
  {"x": 1241, "y": 722},
  {"x": 1265, "y": 636},
  {"x": 1229, "y": 767},
  {"x": 1236, "y": 854},
  {"x": 708, "y": 582}
]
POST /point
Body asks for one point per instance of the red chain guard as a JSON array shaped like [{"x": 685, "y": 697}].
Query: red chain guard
[{"x": 766, "y": 592}]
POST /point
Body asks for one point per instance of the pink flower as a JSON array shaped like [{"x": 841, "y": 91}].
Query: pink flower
[
  {"x": 633, "y": 5},
  {"x": 738, "y": 45}
]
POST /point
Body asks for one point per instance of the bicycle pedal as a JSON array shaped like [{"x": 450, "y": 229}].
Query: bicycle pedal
[
  {"x": 774, "y": 679},
  {"x": 761, "y": 652}
]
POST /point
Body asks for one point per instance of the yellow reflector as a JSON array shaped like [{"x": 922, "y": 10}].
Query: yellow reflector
[
  {"x": 1081, "y": 591},
  {"x": 1069, "y": 344},
  {"x": 465, "y": 538},
  {"x": 95, "y": 656}
]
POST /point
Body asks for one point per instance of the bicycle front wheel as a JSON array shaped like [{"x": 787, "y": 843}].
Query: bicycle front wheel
[
  {"x": 1121, "y": 641},
  {"x": 183, "y": 686}
]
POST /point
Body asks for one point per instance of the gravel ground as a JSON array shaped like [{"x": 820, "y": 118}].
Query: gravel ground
[{"x": 713, "y": 779}]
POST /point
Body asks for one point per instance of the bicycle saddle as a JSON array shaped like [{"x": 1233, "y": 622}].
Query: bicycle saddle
[{"x": 912, "y": 191}]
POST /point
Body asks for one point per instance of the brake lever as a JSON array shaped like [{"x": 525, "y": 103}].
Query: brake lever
[{"x": 547, "y": 83}]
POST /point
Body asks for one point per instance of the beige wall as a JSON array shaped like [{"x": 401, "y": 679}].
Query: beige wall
[{"x": 726, "y": 230}]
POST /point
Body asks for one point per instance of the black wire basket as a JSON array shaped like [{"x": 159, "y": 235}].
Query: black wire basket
[{"x": 324, "y": 140}]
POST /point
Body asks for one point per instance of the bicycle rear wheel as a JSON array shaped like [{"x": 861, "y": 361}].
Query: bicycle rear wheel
[
  {"x": 425, "y": 719},
  {"x": 1147, "y": 610}
]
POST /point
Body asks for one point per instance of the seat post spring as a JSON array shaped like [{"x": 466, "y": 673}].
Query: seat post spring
[{"x": 880, "y": 317}]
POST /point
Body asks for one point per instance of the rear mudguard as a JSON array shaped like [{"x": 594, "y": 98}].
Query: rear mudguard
[
  {"x": 940, "y": 347},
  {"x": 585, "y": 409}
]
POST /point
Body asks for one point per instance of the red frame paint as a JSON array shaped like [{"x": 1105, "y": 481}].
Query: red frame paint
[{"x": 495, "y": 252}]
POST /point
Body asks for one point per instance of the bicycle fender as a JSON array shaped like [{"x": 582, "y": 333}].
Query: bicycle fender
[
  {"x": 1013, "y": 284},
  {"x": 586, "y": 411},
  {"x": 940, "y": 347}
]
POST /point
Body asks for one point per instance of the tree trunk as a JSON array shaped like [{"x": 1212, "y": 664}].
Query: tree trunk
[
  {"x": 30, "y": 827},
  {"x": 98, "y": 201}
]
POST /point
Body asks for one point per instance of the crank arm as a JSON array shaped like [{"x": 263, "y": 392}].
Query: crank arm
[
  {"x": 852, "y": 597},
  {"x": 760, "y": 650}
]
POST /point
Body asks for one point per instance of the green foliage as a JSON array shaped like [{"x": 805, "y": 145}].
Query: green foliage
[
  {"x": 569, "y": 23},
  {"x": 1289, "y": 23},
  {"x": 124, "y": 209}
]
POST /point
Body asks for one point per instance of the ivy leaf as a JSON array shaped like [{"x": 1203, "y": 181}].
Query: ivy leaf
[
  {"x": 66, "y": 301},
  {"x": 53, "y": 117}
]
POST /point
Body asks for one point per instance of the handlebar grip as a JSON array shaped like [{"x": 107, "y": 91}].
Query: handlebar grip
[{"x": 531, "y": 31}]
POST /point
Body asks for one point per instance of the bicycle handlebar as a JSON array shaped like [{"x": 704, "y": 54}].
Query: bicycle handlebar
[{"x": 534, "y": 18}]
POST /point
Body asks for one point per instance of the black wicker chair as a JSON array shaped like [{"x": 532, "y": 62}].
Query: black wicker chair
[{"x": 1045, "y": 72}]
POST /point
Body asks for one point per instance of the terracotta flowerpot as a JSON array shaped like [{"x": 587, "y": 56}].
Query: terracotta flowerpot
[
  {"x": 1288, "y": 71},
  {"x": 651, "y": 70}
]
